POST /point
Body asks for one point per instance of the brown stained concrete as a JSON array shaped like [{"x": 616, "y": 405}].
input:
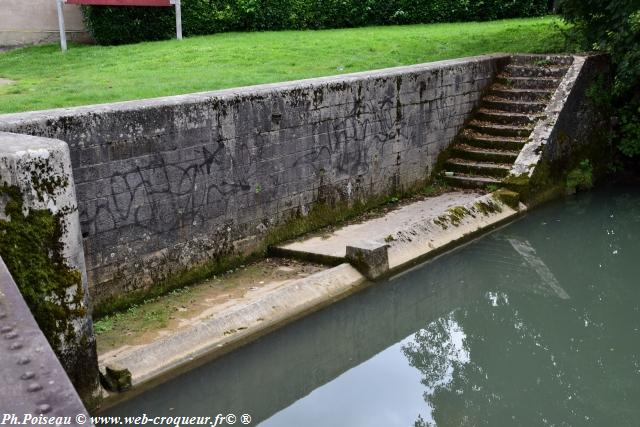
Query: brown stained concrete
[
  {"x": 334, "y": 244},
  {"x": 181, "y": 309},
  {"x": 233, "y": 325},
  {"x": 412, "y": 232}
]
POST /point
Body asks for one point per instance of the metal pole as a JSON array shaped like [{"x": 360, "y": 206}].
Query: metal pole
[
  {"x": 178, "y": 20},
  {"x": 63, "y": 35}
]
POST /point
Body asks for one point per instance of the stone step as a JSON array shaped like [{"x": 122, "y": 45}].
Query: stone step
[
  {"x": 500, "y": 130},
  {"x": 527, "y": 82},
  {"x": 502, "y": 104},
  {"x": 505, "y": 117},
  {"x": 469, "y": 152},
  {"x": 515, "y": 70},
  {"x": 470, "y": 167},
  {"x": 525, "y": 95},
  {"x": 471, "y": 181},
  {"x": 481, "y": 140}
]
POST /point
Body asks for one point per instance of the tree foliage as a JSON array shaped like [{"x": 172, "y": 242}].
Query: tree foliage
[{"x": 613, "y": 26}]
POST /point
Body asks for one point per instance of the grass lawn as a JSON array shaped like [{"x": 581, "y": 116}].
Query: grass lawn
[{"x": 46, "y": 78}]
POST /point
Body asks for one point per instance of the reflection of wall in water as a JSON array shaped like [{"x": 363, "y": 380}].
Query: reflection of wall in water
[{"x": 277, "y": 370}]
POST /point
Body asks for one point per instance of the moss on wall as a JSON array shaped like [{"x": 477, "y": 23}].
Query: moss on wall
[
  {"x": 323, "y": 214},
  {"x": 580, "y": 177},
  {"x": 508, "y": 197},
  {"x": 31, "y": 247}
]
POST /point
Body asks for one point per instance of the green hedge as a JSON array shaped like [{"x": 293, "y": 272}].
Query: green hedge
[{"x": 117, "y": 25}]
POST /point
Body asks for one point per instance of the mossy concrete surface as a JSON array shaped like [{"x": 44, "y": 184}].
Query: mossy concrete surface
[
  {"x": 41, "y": 244},
  {"x": 332, "y": 244},
  {"x": 33, "y": 380},
  {"x": 147, "y": 321},
  {"x": 571, "y": 147},
  {"x": 413, "y": 232},
  {"x": 234, "y": 325}
]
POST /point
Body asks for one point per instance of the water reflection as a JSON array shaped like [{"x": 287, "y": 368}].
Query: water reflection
[
  {"x": 440, "y": 353},
  {"x": 537, "y": 324}
]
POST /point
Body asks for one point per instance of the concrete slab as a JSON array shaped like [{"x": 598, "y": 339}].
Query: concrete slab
[
  {"x": 424, "y": 238},
  {"x": 234, "y": 325},
  {"x": 334, "y": 245},
  {"x": 411, "y": 232}
]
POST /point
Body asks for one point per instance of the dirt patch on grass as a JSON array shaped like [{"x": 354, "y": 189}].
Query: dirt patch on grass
[
  {"x": 4, "y": 82},
  {"x": 142, "y": 324}
]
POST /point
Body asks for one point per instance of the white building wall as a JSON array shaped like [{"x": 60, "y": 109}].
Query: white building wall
[{"x": 24, "y": 22}]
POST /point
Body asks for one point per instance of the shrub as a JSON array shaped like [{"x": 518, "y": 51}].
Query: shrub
[
  {"x": 580, "y": 178},
  {"x": 117, "y": 25},
  {"x": 613, "y": 26}
]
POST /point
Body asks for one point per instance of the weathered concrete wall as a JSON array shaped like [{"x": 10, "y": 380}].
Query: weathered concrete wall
[
  {"x": 36, "y": 21},
  {"x": 582, "y": 129},
  {"x": 575, "y": 127},
  {"x": 166, "y": 184},
  {"x": 41, "y": 242},
  {"x": 33, "y": 381}
]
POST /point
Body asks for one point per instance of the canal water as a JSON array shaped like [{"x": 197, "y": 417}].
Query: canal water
[{"x": 535, "y": 324}]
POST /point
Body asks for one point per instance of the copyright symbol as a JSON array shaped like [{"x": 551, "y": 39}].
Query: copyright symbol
[
  {"x": 231, "y": 419},
  {"x": 81, "y": 418},
  {"x": 245, "y": 419}
]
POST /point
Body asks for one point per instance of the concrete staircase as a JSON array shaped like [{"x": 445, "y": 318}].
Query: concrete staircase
[{"x": 489, "y": 144}]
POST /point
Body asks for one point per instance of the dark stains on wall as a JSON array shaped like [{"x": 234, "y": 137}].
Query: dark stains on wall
[{"x": 168, "y": 184}]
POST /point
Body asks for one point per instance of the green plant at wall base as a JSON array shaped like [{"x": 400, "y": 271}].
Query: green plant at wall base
[
  {"x": 30, "y": 246},
  {"x": 182, "y": 279},
  {"x": 103, "y": 325},
  {"x": 580, "y": 178}
]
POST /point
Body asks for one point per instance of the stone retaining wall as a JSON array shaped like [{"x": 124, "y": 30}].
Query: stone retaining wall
[{"x": 166, "y": 184}]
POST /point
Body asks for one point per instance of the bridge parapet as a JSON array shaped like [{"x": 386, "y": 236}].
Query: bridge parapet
[
  {"x": 33, "y": 381},
  {"x": 41, "y": 245}
]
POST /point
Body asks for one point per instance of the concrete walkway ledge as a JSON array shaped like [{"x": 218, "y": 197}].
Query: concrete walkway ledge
[
  {"x": 456, "y": 225},
  {"x": 409, "y": 235},
  {"x": 232, "y": 327}
]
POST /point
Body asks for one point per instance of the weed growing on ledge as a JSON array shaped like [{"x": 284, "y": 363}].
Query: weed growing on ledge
[{"x": 580, "y": 178}]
